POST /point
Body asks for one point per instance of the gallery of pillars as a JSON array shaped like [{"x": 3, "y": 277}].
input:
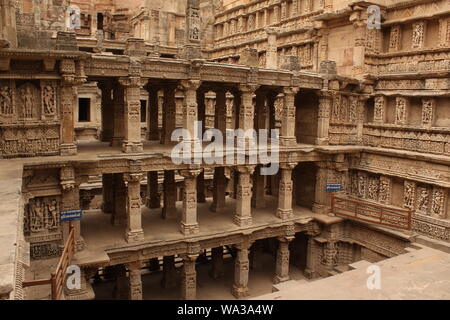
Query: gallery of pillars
[
  {"x": 180, "y": 272},
  {"x": 252, "y": 107}
]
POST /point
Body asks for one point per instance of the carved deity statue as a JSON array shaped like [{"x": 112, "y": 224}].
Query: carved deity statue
[
  {"x": 437, "y": 204},
  {"x": 48, "y": 94},
  {"x": 408, "y": 198},
  {"x": 28, "y": 101},
  {"x": 401, "y": 110},
  {"x": 372, "y": 190},
  {"x": 6, "y": 100},
  {"x": 422, "y": 202},
  {"x": 384, "y": 190},
  {"x": 361, "y": 186}
]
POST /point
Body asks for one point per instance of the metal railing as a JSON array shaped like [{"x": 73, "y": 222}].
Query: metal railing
[
  {"x": 59, "y": 276},
  {"x": 371, "y": 212}
]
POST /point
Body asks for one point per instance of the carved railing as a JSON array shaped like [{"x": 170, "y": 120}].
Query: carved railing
[
  {"x": 371, "y": 212},
  {"x": 58, "y": 278}
]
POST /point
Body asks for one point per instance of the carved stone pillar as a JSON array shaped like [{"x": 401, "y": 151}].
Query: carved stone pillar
[
  {"x": 282, "y": 264},
  {"x": 189, "y": 277},
  {"x": 119, "y": 111},
  {"x": 246, "y": 111},
  {"x": 132, "y": 115},
  {"x": 8, "y": 31},
  {"x": 285, "y": 210},
  {"x": 169, "y": 114},
  {"x": 259, "y": 189},
  {"x": 170, "y": 195},
  {"x": 271, "y": 53},
  {"x": 134, "y": 216},
  {"x": 320, "y": 202},
  {"x": 108, "y": 193},
  {"x": 330, "y": 254},
  {"x": 201, "y": 187},
  {"x": 220, "y": 116},
  {"x": 68, "y": 99},
  {"x": 70, "y": 200},
  {"x": 153, "y": 200},
  {"x": 152, "y": 118},
  {"x": 379, "y": 110},
  {"x": 395, "y": 36},
  {"x": 106, "y": 111},
  {"x": 135, "y": 285},
  {"x": 428, "y": 112},
  {"x": 311, "y": 258},
  {"x": 217, "y": 262},
  {"x": 243, "y": 215},
  {"x": 241, "y": 269},
  {"x": 119, "y": 216},
  {"x": 325, "y": 100},
  {"x": 219, "y": 190},
  {"x": 358, "y": 108},
  {"x": 169, "y": 279},
  {"x": 287, "y": 134},
  {"x": 189, "y": 224},
  {"x": 359, "y": 49},
  {"x": 401, "y": 110},
  {"x": 190, "y": 110}
]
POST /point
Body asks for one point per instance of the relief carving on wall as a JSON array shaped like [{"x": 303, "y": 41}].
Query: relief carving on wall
[
  {"x": 384, "y": 195},
  {"x": 409, "y": 194},
  {"x": 401, "y": 108},
  {"x": 438, "y": 203},
  {"x": 7, "y": 93},
  {"x": 423, "y": 201},
  {"x": 418, "y": 35}
]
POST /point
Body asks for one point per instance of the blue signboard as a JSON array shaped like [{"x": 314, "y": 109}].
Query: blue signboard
[
  {"x": 334, "y": 187},
  {"x": 71, "y": 215}
]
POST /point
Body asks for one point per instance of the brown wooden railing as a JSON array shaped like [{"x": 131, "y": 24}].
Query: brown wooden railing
[
  {"x": 58, "y": 278},
  {"x": 371, "y": 212}
]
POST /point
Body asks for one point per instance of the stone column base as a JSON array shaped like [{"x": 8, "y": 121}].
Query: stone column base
[
  {"x": 285, "y": 213},
  {"x": 240, "y": 292},
  {"x": 243, "y": 221},
  {"x": 68, "y": 149},
  {"x": 134, "y": 235},
  {"x": 278, "y": 279},
  {"x": 188, "y": 229},
  {"x": 288, "y": 141},
  {"x": 322, "y": 141},
  {"x": 132, "y": 147},
  {"x": 310, "y": 274}
]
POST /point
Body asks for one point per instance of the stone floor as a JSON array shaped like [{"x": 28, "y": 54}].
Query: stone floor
[
  {"x": 99, "y": 234},
  {"x": 419, "y": 274}
]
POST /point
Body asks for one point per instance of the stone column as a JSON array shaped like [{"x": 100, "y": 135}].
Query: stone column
[
  {"x": 189, "y": 224},
  {"x": 220, "y": 116},
  {"x": 153, "y": 200},
  {"x": 217, "y": 262},
  {"x": 70, "y": 200},
  {"x": 243, "y": 216},
  {"x": 169, "y": 279},
  {"x": 8, "y": 31},
  {"x": 285, "y": 210},
  {"x": 359, "y": 117},
  {"x": 258, "y": 194},
  {"x": 282, "y": 264},
  {"x": 190, "y": 110},
  {"x": 107, "y": 111},
  {"x": 311, "y": 257},
  {"x": 68, "y": 101},
  {"x": 189, "y": 277},
  {"x": 201, "y": 108},
  {"x": 219, "y": 190},
  {"x": 134, "y": 216},
  {"x": 320, "y": 202},
  {"x": 119, "y": 216},
  {"x": 287, "y": 134},
  {"x": 359, "y": 49},
  {"x": 271, "y": 53},
  {"x": 135, "y": 285},
  {"x": 132, "y": 115},
  {"x": 170, "y": 195},
  {"x": 119, "y": 111},
  {"x": 169, "y": 114},
  {"x": 428, "y": 112},
  {"x": 325, "y": 100},
  {"x": 246, "y": 111},
  {"x": 108, "y": 193},
  {"x": 152, "y": 119},
  {"x": 201, "y": 187},
  {"x": 241, "y": 269}
]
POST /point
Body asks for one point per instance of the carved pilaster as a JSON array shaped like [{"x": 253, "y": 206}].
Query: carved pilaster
[
  {"x": 282, "y": 264},
  {"x": 287, "y": 136},
  {"x": 134, "y": 231},
  {"x": 243, "y": 216},
  {"x": 135, "y": 281},
  {"x": 285, "y": 210},
  {"x": 325, "y": 102},
  {"x": 189, "y": 277},
  {"x": 189, "y": 224},
  {"x": 241, "y": 269}
]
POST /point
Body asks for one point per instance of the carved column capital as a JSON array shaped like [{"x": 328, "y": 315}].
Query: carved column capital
[
  {"x": 288, "y": 165},
  {"x": 190, "y": 174},
  {"x": 190, "y": 84},
  {"x": 248, "y": 88},
  {"x": 132, "y": 81},
  {"x": 133, "y": 177},
  {"x": 245, "y": 169}
]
